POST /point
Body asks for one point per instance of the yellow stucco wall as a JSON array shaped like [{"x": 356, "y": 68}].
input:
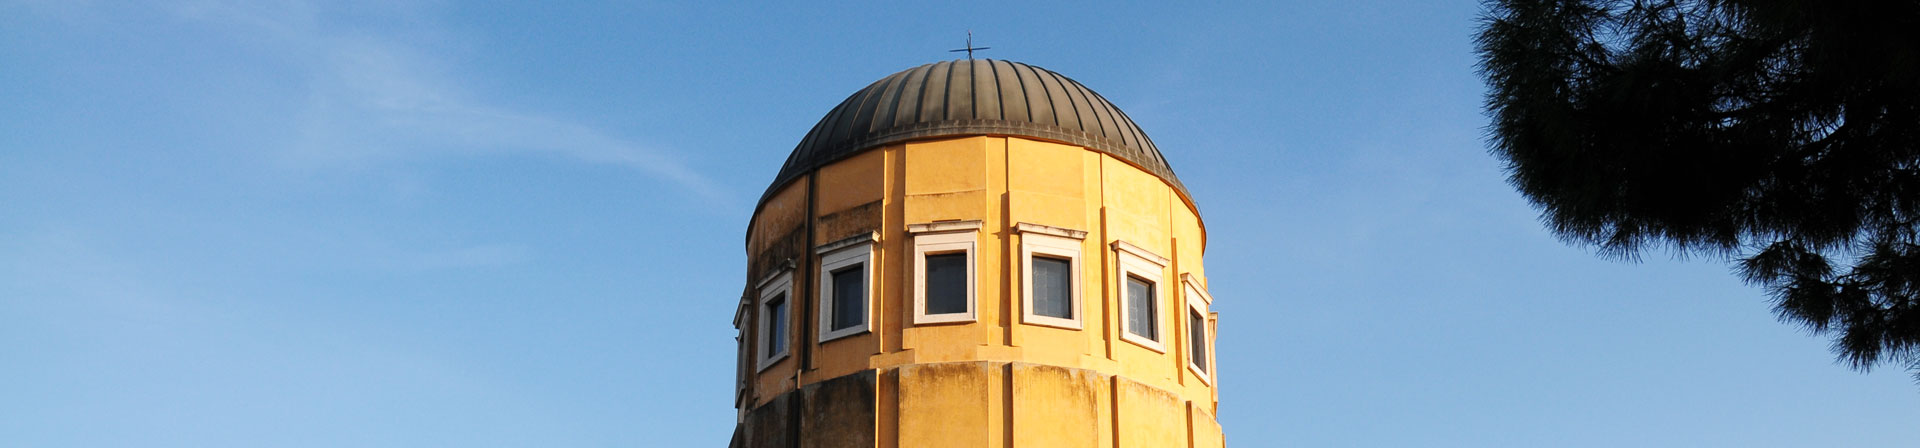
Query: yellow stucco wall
[
  {"x": 848, "y": 203},
  {"x": 781, "y": 217},
  {"x": 1056, "y": 407},
  {"x": 945, "y": 180},
  {"x": 1205, "y": 429},
  {"x": 1148, "y": 417},
  {"x": 945, "y": 405},
  {"x": 953, "y": 384}
]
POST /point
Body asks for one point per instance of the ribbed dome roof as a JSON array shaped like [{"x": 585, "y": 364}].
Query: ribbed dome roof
[{"x": 973, "y": 97}]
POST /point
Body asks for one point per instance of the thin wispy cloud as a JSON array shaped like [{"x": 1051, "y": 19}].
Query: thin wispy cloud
[
  {"x": 65, "y": 271},
  {"x": 373, "y": 97}
]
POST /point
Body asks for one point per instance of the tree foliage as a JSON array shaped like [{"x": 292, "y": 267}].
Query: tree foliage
[{"x": 1783, "y": 134}]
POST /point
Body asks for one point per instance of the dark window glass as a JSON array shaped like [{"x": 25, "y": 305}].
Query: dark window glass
[
  {"x": 849, "y": 297},
  {"x": 1052, "y": 282},
  {"x": 947, "y": 283},
  {"x": 776, "y": 325},
  {"x": 1140, "y": 309},
  {"x": 1197, "y": 331}
]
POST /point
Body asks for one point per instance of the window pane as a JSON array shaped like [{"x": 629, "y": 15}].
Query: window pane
[
  {"x": 849, "y": 297},
  {"x": 947, "y": 283},
  {"x": 1140, "y": 309},
  {"x": 776, "y": 325},
  {"x": 1197, "y": 332},
  {"x": 1052, "y": 281}
]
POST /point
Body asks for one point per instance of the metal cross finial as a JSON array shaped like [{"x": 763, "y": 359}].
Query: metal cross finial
[{"x": 970, "y": 46}]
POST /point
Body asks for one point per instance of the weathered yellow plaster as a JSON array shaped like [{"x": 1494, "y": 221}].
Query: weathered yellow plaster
[{"x": 997, "y": 381}]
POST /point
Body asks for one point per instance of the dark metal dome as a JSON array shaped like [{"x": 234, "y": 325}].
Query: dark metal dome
[{"x": 973, "y": 97}]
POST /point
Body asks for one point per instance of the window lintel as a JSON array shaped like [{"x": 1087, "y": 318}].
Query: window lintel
[
  {"x": 863, "y": 238},
  {"x": 1198, "y": 289},
  {"x": 740, "y": 310},
  {"x": 1143, "y": 253},
  {"x": 783, "y": 267},
  {"x": 1027, "y": 227},
  {"x": 944, "y": 226}
]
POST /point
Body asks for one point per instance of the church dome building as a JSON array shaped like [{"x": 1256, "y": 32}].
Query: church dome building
[{"x": 976, "y": 253}]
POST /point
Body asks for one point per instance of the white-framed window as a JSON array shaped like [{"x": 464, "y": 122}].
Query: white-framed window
[
  {"x": 1141, "y": 295},
  {"x": 846, "y": 283},
  {"x": 1050, "y": 287},
  {"x": 776, "y": 319},
  {"x": 944, "y": 271},
  {"x": 744, "y": 365},
  {"x": 1199, "y": 330}
]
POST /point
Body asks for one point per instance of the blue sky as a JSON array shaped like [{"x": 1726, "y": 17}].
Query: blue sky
[{"x": 289, "y": 223}]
